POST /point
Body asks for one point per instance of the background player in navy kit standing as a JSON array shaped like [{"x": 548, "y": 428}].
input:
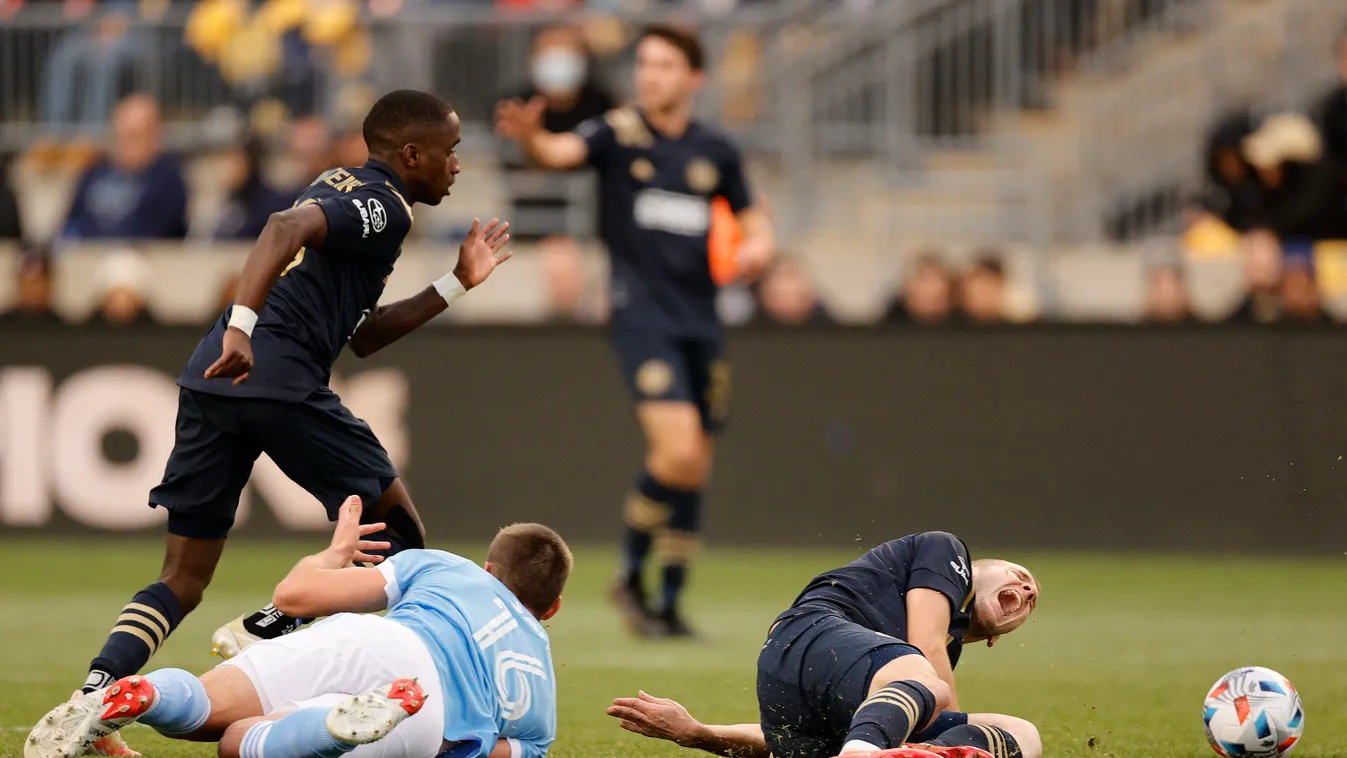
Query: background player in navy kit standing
[
  {"x": 658, "y": 172},
  {"x": 257, "y": 382}
]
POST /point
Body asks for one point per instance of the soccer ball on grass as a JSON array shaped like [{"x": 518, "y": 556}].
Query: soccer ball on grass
[{"x": 1253, "y": 712}]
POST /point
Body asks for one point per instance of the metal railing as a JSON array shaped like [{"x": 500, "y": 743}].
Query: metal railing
[{"x": 898, "y": 87}]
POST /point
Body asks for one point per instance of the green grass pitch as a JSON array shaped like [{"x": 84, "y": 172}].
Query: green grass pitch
[{"x": 1114, "y": 663}]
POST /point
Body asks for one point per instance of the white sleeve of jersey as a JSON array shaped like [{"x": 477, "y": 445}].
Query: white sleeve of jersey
[{"x": 391, "y": 588}]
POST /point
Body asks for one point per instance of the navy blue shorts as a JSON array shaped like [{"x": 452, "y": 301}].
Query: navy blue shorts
[
  {"x": 813, "y": 673},
  {"x": 662, "y": 367},
  {"x": 317, "y": 442}
]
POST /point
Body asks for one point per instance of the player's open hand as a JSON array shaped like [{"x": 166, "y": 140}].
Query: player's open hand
[
  {"x": 482, "y": 252},
  {"x": 236, "y": 357},
  {"x": 517, "y": 119},
  {"x": 657, "y": 717},
  {"x": 348, "y": 545}
]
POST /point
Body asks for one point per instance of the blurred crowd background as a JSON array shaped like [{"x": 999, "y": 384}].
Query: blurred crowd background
[{"x": 927, "y": 161}]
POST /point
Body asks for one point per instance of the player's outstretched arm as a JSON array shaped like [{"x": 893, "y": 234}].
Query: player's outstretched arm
[
  {"x": 327, "y": 583},
  {"x": 478, "y": 256},
  {"x": 281, "y": 239},
  {"x": 928, "y": 616},
  {"x": 666, "y": 719},
  {"x": 523, "y": 122}
]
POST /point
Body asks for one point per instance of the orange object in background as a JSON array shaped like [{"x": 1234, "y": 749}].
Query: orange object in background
[{"x": 723, "y": 243}]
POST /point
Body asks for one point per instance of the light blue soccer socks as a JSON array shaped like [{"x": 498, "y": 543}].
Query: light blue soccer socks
[
  {"x": 181, "y": 705},
  {"x": 302, "y": 734}
]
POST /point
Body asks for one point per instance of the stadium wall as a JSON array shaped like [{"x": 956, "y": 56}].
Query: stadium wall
[{"x": 1112, "y": 438}]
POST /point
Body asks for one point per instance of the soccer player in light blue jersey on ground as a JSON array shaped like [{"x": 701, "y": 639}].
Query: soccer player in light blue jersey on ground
[{"x": 459, "y": 667}]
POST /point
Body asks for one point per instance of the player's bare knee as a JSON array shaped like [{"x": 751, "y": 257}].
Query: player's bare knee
[
  {"x": 912, "y": 668},
  {"x": 1025, "y": 733},
  {"x": 681, "y": 464},
  {"x": 231, "y": 742}
]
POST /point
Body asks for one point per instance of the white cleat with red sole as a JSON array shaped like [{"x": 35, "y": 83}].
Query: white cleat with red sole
[
  {"x": 362, "y": 719},
  {"x": 85, "y": 724}
]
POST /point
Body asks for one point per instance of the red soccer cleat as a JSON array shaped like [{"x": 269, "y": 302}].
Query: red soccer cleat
[{"x": 897, "y": 752}]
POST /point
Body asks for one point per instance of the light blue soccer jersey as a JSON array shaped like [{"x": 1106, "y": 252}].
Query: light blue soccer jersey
[{"x": 493, "y": 657}]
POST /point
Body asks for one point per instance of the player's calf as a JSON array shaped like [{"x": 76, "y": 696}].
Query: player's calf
[
  {"x": 328, "y": 732},
  {"x": 987, "y": 741},
  {"x": 904, "y": 695}
]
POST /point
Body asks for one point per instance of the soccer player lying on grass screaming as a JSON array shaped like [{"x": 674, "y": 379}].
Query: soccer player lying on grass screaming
[
  {"x": 863, "y": 661},
  {"x": 459, "y": 667}
]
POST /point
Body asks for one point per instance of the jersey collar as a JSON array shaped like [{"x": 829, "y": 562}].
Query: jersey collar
[{"x": 393, "y": 178}]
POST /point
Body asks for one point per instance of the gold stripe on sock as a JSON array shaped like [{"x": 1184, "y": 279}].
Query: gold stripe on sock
[
  {"x": 901, "y": 700},
  {"x": 148, "y": 624},
  {"x": 141, "y": 633},
  {"x": 644, "y": 514},
  {"x": 152, "y": 613},
  {"x": 995, "y": 741},
  {"x": 675, "y": 548}
]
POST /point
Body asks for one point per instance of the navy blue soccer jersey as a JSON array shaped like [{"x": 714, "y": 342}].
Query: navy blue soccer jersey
[
  {"x": 323, "y": 294},
  {"x": 655, "y": 217},
  {"x": 872, "y": 590}
]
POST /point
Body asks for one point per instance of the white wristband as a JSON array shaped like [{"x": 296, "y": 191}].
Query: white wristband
[
  {"x": 243, "y": 319},
  {"x": 450, "y": 288},
  {"x": 516, "y": 749}
]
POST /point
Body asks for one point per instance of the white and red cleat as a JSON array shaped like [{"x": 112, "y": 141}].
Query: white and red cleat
[
  {"x": 88, "y": 723},
  {"x": 362, "y": 719}
]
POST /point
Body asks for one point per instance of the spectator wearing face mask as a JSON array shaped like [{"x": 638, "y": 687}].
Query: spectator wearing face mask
[{"x": 561, "y": 77}]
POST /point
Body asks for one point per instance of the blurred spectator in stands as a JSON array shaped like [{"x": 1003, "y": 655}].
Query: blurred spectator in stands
[
  {"x": 571, "y": 294},
  {"x": 309, "y": 152},
  {"x": 85, "y": 76},
  {"x": 250, "y": 201},
  {"x": 787, "y": 297},
  {"x": 33, "y": 303},
  {"x": 1302, "y": 197},
  {"x": 1167, "y": 298},
  {"x": 561, "y": 75},
  {"x": 122, "y": 279},
  {"x": 1232, "y": 193},
  {"x": 1262, "y": 280},
  {"x": 350, "y": 149},
  {"x": 1300, "y": 292},
  {"x": 982, "y": 289},
  {"x": 135, "y": 193},
  {"x": 1331, "y": 112},
  {"x": 11, "y": 221},
  {"x": 927, "y": 293}
]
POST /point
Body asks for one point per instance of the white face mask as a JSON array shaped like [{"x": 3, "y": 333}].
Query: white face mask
[{"x": 558, "y": 71}]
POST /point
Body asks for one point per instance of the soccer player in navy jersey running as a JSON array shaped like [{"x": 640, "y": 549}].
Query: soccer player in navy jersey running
[
  {"x": 257, "y": 382},
  {"x": 658, "y": 172}
]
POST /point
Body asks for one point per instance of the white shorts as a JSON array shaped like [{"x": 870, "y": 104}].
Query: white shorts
[{"x": 342, "y": 655}]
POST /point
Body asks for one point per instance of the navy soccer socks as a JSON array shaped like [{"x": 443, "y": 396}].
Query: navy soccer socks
[
  {"x": 143, "y": 626},
  {"x": 888, "y": 717}
]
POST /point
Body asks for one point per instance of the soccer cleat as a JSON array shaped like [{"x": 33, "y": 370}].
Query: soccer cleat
[
  {"x": 954, "y": 751},
  {"x": 362, "y": 719},
  {"x": 670, "y": 624},
  {"x": 230, "y": 639},
  {"x": 83, "y": 724},
  {"x": 629, "y": 597}
]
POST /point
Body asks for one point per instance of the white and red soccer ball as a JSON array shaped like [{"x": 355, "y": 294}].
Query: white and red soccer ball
[{"x": 1253, "y": 712}]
